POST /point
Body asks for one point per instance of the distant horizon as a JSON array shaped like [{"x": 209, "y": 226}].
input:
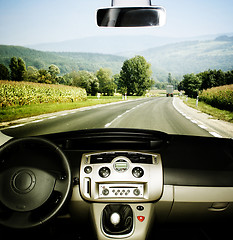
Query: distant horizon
[
  {"x": 122, "y": 35},
  {"x": 97, "y": 44},
  {"x": 229, "y": 34}
]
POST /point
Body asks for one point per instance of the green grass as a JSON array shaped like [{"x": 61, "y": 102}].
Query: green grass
[
  {"x": 215, "y": 112},
  {"x": 13, "y": 113}
]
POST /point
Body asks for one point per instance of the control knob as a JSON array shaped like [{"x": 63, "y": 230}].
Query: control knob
[
  {"x": 136, "y": 192},
  {"x": 105, "y": 192},
  {"x": 104, "y": 172},
  {"x": 137, "y": 172}
]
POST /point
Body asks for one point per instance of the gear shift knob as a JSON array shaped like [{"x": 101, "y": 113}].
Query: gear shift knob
[{"x": 115, "y": 218}]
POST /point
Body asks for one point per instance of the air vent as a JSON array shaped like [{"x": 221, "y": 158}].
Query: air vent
[{"x": 133, "y": 156}]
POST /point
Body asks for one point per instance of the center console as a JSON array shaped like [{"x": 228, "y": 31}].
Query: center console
[{"x": 121, "y": 186}]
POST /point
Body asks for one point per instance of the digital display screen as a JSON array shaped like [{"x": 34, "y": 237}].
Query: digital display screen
[{"x": 121, "y": 165}]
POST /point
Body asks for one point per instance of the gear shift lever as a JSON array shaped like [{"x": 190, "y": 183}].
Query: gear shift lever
[{"x": 115, "y": 218}]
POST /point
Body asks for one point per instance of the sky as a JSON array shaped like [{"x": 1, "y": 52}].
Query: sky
[{"x": 24, "y": 22}]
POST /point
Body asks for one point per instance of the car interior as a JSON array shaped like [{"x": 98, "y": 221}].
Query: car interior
[
  {"x": 120, "y": 183},
  {"x": 117, "y": 183}
]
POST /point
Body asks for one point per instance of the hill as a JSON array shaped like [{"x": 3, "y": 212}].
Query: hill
[
  {"x": 176, "y": 58},
  {"x": 106, "y": 44},
  {"x": 125, "y": 45},
  {"x": 191, "y": 57},
  {"x": 66, "y": 61}
]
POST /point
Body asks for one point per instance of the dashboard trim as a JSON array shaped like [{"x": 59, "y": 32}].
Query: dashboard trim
[{"x": 152, "y": 180}]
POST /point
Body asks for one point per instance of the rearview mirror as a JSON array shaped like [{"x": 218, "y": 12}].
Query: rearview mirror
[{"x": 131, "y": 16}]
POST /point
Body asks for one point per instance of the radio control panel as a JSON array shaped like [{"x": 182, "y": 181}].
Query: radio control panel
[
  {"x": 121, "y": 190},
  {"x": 121, "y": 176}
]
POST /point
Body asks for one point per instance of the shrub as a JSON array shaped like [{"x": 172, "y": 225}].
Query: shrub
[{"x": 219, "y": 97}]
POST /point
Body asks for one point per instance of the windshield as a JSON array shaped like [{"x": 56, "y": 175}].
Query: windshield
[{"x": 60, "y": 72}]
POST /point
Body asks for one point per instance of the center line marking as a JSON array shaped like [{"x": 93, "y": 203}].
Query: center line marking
[{"x": 121, "y": 115}]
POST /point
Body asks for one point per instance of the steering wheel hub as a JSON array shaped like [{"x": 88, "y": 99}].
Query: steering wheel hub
[{"x": 23, "y": 181}]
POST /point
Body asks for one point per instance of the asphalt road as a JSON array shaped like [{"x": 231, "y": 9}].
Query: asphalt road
[{"x": 152, "y": 113}]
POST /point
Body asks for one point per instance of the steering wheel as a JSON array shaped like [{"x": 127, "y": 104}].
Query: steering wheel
[{"x": 35, "y": 181}]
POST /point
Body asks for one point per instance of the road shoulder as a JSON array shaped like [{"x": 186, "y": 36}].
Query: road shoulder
[{"x": 215, "y": 127}]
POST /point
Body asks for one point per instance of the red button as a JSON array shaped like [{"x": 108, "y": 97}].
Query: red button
[{"x": 140, "y": 218}]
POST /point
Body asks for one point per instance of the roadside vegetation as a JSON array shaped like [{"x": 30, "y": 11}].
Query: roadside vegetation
[
  {"x": 214, "y": 112},
  {"x": 194, "y": 84},
  {"x": 17, "y": 112},
  {"x": 215, "y": 91},
  {"x": 219, "y": 97}
]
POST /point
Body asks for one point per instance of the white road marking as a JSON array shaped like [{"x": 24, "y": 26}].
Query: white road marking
[
  {"x": 36, "y": 121},
  {"x": 15, "y": 126},
  {"x": 121, "y": 115},
  {"x": 108, "y": 124},
  {"x": 52, "y": 117},
  {"x": 195, "y": 122},
  {"x": 215, "y": 134},
  {"x": 202, "y": 126}
]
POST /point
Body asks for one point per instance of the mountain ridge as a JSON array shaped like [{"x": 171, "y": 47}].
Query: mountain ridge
[
  {"x": 175, "y": 58},
  {"x": 117, "y": 45}
]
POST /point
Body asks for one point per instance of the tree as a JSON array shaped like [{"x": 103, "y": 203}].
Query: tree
[
  {"x": 68, "y": 78},
  {"x": 14, "y": 69},
  {"x": 191, "y": 84},
  {"x": 32, "y": 74},
  {"x": 229, "y": 77},
  {"x": 44, "y": 76},
  {"x": 18, "y": 69},
  {"x": 106, "y": 84},
  {"x": 172, "y": 81},
  {"x": 135, "y": 76},
  {"x": 21, "y": 72},
  {"x": 87, "y": 80},
  {"x": 4, "y": 72},
  {"x": 169, "y": 80},
  {"x": 54, "y": 71}
]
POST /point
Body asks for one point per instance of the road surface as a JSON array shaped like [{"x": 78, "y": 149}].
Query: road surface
[{"x": 151, "y": 113}]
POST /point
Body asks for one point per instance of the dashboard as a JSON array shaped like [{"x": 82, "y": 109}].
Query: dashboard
[{"x": 122, "y": 182}]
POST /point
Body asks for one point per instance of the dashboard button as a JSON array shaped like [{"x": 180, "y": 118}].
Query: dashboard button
[
  {"x": 141, "y": 218},
  {"x": 140, "y": 208}
]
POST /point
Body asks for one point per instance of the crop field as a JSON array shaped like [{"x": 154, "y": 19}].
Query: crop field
[
  {"x": 25, "y": 93},
  {"x": 219, "y": 97}
]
